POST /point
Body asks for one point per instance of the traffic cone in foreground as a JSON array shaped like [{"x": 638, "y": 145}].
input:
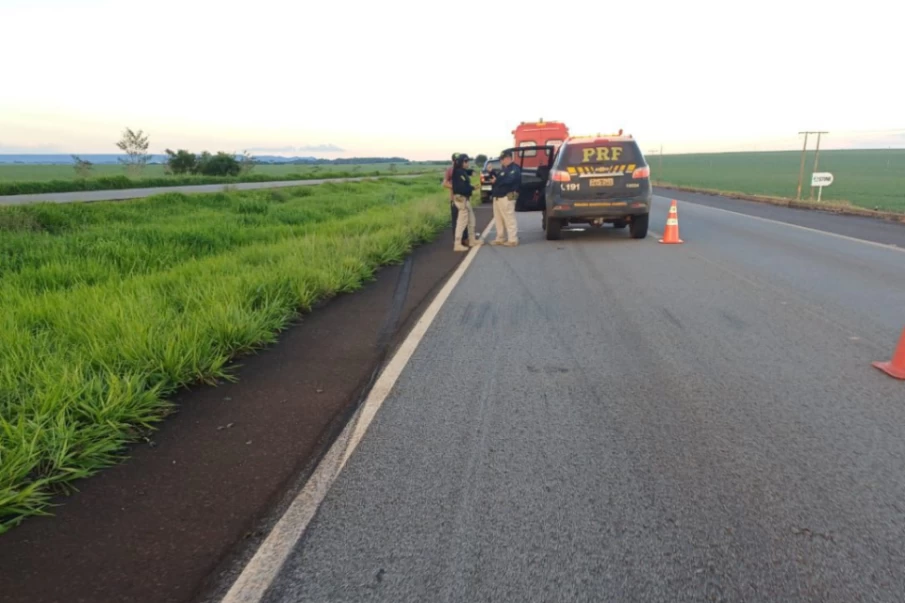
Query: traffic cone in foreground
[
  {"x": 671, "y": 234},
  {"x": 896, "y": 366}
]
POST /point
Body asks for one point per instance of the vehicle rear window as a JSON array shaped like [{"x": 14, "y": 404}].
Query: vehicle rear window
[
  {"x": 528, "y": 143},
  {"x": 602, "y": 153}
]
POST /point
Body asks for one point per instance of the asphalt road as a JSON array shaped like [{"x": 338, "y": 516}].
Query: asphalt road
[
  {"x": 604, "y": 419},
  {"x": 139, "y": 193}
]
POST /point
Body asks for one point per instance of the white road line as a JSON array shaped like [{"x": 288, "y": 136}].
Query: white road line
[
  {"x": 824, "y": 232},
  {"x": 260, "y": 572}
]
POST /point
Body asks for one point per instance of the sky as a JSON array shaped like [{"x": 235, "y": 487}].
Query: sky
[{"x": 423, "y": 79}]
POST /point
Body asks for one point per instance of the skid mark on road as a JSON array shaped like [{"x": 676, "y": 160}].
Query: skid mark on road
[
  {"x": 672, "y": 318},
  {"x": 733, "y": 321},
  {"x": 782, "y": 293},
  {"x": 453, "y": 567}
]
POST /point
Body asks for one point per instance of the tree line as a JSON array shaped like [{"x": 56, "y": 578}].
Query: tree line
[{"x": 135, "y": 146}]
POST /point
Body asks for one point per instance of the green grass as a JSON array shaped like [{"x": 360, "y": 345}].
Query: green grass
[
  {"x": 20, "y": 179},
  {"x": 106, "y": 309},
  {"x": 870, "y": 179}
]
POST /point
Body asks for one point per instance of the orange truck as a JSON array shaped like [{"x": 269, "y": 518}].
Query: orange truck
[
  {"x": 528, "y": 134},
  {"x": 540, "y": 134}
]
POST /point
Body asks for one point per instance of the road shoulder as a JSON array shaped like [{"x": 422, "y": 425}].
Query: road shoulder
[
  {"x": 173, "y": 521},
  {"x": 866, "y": 229}
]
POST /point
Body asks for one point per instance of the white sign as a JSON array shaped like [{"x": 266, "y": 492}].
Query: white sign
[{"x": 821, "y": 179}]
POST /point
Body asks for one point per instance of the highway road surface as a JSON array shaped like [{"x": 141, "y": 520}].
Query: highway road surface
[
  {"x": 140, "y": 193},
  {"x": 604, "y": 419}
]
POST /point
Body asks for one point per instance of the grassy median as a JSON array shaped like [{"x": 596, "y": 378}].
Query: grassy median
[{"x": 106, "y": 309}]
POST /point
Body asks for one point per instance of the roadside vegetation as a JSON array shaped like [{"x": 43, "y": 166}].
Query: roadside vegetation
[
  {"x": 181, "y": 168},
  {"x": 106, "y": 309},
  {"x": 35, "y": 179},
  {"x": 871, "y": 179}
]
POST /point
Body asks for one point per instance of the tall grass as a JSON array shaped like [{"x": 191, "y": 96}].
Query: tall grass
[
  {"x": 37, "y": 179},
  {"x": 107, "y": 309}
]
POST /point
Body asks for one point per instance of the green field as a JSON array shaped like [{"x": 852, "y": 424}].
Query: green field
[
  {"x": 107, "y": 308},
  {"x": 871, "y": 179},
  {"x": 19, "y": 179}
]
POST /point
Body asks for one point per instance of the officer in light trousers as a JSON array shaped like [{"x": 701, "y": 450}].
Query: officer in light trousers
[
  {"x": 447, "y": 183},
  {"x": 505, "y": 192},
  {"x": 462, "y": 189}
]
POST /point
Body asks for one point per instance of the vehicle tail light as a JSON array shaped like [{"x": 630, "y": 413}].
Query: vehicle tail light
[
  {"x": 560, "y": 176},
  {"x": 641, "y": 172}
]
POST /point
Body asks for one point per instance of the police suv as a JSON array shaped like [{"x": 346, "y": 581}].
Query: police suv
[{"x": 596, "y": 180}]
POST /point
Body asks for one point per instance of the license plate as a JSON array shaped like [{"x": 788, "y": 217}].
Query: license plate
[
  {"x": 486, "y": 188},
  {"x": 601, "y": 182}
]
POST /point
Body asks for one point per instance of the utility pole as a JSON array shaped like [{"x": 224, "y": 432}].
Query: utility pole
[
  {"x": 801, "y": 169},
  {"x": 804, "y": 150},
  {"x": 816, "y": 158}
]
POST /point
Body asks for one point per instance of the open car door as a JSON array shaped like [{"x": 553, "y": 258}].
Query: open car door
[{"x": 535, "y": 162}]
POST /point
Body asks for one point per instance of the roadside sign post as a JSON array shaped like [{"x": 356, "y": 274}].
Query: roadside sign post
[
  {"x": 820, "y": 179},
  {"x": 804, "y": 152},
  {"x": 816, "y": 159}
]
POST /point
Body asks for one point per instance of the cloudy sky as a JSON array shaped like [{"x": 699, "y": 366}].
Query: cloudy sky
[{"x": 420, "y": 79}]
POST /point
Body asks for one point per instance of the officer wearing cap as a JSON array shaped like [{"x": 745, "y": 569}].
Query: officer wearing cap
[
  {"x": 447, "y": 183},
  {"x": 505, "y": 192},
  {"x": 462, "y": 189}
]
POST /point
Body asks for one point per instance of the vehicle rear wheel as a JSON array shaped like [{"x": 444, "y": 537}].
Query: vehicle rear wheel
[
  {"x": 620, "y": 224},
  {"x": 638, "y": 227},
  {"x": 554, "y": 229}
]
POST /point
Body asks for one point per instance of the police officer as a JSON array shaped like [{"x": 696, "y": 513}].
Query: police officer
[
  {"x": 505, "y": 192},
  {"x": 447, "y": 183},
  {"x": 462, "y": 189}
]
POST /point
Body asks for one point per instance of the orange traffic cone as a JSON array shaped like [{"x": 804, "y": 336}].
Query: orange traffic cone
[
  {"x": 896, "y": 366},
  {"x": 671, "y": 234}
]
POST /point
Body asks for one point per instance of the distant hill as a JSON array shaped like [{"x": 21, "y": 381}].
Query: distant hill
[{"x": 101, "y": 159}]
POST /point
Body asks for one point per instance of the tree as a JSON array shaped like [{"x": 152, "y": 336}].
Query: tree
[
  {"x": 221, "y": 164},
  {"x": 181, "y": 162},
  {"x": 393, "y": 168},
  {"x": 82, "y": 168},
  {"x": 247, "y": 164},
  {"x": 135, "y": 146},
  {"x": 480, "y": 160}
]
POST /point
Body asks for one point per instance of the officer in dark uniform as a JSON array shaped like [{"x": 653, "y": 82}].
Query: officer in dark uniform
[
  {"x": 447, "y": 183},
  {"x": 506, "y": 184},
  {"x": 462, "y": 190}
]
